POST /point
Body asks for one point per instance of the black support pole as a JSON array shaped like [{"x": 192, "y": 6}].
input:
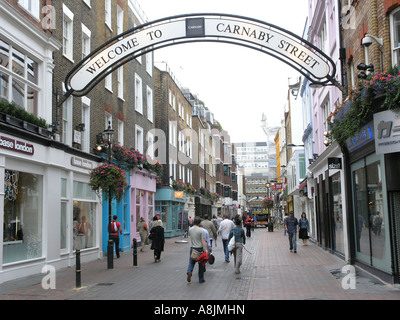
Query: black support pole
[
  {"x": 134, "y": 252},
  {"x": 78, "y": 283}
]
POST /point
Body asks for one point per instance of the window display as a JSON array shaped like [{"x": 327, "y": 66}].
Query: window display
[
  {"x": 84, "y": 220},
  {"x": 22, "y": 227}
]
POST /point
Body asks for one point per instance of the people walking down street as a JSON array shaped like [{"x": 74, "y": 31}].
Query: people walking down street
[
  {"x": 198, "y": 245},
  {"x": 210, "y": 227},
  {"x": 115, "y": 230},
  {"x": 304, "y": 228},
  {"x": 248, "y": 223},
  {"x": 240, "y": 241},
  {"x": 291, "y": 228},
  {"x": 143, "y": 231},
  {"x": 157, "y": 238},
  {"x": 215, "y": 221},
  {"x": 224, "y": 229}
]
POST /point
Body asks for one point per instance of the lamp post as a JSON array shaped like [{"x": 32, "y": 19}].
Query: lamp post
[{"x": 108, "y": 136}]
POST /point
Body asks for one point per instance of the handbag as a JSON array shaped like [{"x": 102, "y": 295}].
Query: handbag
[{"x": 195, "y": 254}]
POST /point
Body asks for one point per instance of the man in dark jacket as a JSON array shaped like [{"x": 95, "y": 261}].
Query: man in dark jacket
[{"x": 291, "y": 228}]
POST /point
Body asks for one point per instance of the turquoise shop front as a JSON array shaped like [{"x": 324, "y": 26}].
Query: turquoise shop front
[{"x": 170, "y": 207}]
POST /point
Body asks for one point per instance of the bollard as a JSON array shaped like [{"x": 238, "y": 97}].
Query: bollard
[
  {"x": 78, "y": 269},
  {"x": 110, "y": 254},
  {"x": 134, "y": 252}
]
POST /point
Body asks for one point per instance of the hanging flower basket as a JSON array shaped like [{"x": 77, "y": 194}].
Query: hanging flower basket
[
  {"x": 268, "y": 203},
  {"x": 178, "y": 185},
  {"x": 107, "y": 179},
  {"x": 379, "y": 92},
  {"x": 131, "y": 158}
]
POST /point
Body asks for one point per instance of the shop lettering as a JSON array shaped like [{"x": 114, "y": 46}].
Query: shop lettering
[
  {"x": 240, "y": 30},
  {"x": 19, "y": 146},
  {"x": 81, "y": 163}
]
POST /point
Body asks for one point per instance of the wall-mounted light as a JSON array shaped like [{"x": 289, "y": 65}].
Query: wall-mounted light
[{"x": 326, "y": 140}]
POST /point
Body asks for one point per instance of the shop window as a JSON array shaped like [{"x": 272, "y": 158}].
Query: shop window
[
  {"x": 84, "y": 216},
  {"x": 337, "y": 213},
  {"x": 370, "y": 218},
  {"x": 150, "y": 206},
  {"x": 84, "y": 225},
  {"x": 161, "y": 210},
  {"x": 22, "y": 227}
]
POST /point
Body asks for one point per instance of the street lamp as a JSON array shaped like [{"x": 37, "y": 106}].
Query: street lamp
[{"x": 108, "y": 137}]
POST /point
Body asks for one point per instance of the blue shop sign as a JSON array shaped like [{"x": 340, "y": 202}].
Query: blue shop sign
[{"x": 365, "y": 135}]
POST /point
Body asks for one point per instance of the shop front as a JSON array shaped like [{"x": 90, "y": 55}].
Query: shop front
[
  {"x": 143, "y": 190},
  {"x": 170, "y": 207},
  {"x": 330, "y": 217},
  {"x": 48, "y": 208},
  {"x": 375, "y": 158}
]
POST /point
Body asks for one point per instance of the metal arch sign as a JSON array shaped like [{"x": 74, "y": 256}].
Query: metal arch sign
[{"x": 255, "y": 34}]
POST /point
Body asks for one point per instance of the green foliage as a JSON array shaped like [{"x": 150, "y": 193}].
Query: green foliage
[
  {"x": 110, "y": 180},
  {"x": 19, "y": 113},
  {"x": 379, "y": 92}
]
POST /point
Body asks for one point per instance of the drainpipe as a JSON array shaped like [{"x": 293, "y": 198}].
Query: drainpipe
[{"x": 342, "y": 51}]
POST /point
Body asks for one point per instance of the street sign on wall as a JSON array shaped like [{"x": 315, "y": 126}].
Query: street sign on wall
[{"x": 254, "y": 34}]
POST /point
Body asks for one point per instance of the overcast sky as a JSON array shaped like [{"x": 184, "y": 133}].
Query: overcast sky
[{"x": 237, "y": 84}]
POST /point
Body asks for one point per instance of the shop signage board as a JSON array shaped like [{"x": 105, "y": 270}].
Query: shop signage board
[
  {"x": 179, "y": 194},
  {"x": 387, "y": 132},
  {"x": 363, "y": 137},
  {"x": 255, "y": 34},
  {"x": 16, "y": 145},
  {"x": 335, "y": 163},
  {"x": 82, "y": 163}
]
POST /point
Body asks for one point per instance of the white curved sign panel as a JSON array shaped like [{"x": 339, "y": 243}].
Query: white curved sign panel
[{"x": 232, "y": 29}]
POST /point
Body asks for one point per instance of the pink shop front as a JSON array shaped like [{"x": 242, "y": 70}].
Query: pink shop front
[{"x": 143, "y": 189}]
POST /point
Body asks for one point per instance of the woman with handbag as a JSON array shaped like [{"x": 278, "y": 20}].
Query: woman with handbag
[{"x": 198, "y": 245}]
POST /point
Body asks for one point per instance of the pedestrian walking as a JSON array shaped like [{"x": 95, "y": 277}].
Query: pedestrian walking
[
  {"x": 198, "y": 245},
  {"x": 225, "y": 228},
  {"x": 291, "y": 229},
  {"x": 215, "y": 221},
  {"x": 143, "y": 231},
  {"x": 157, "y": 238},
  {"x": 240, "y": 241},
  {"x": 210, "y": 227},
  {"x": 115, "y": 230},
  {"x": 304, "y": 228},
  {"x": 248, "y": 223}
]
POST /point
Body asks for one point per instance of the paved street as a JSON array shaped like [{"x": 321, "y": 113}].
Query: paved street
[{"x": 269, "y": 272}]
